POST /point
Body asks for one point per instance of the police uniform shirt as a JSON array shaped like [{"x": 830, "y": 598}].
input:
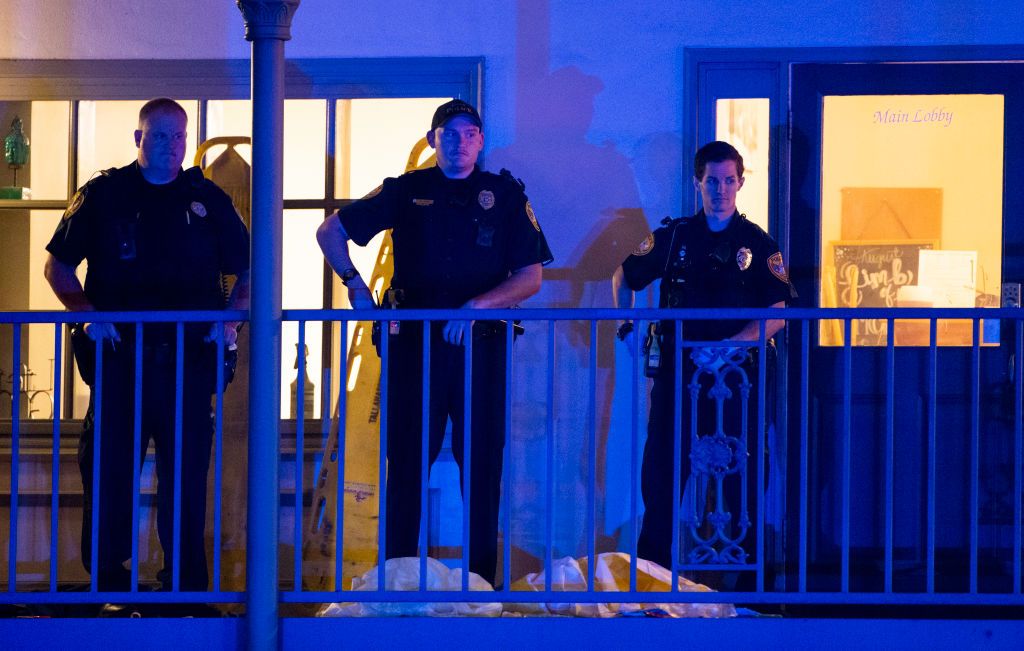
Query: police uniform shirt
[
  {"x": 152, "y": 247},
  {"x": 740, "y": 266},
  {"x": 453, "y": 238}
]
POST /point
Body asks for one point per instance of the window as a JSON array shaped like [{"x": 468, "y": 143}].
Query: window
[
  {"x": 744, "y": 124},
  {"x": 348, "y": 124},
  {"x": 911, "y": 212}
]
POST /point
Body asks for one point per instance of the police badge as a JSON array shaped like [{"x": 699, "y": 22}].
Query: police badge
[
  {"x": 743, "y": 258},
  {"x": 486, "y": 199},
  {"x": 198, "y": 208}
]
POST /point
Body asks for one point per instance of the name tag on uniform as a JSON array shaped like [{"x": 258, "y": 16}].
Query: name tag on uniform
[
  {"x": 423, "y": 202},
  {"x": 485, "y": 236}
]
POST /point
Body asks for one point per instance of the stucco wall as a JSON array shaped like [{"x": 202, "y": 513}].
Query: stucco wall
[{"x": 624, "y": 58}]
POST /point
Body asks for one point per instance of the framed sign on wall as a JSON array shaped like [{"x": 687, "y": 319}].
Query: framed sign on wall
[{"x": 870, "y": 274}]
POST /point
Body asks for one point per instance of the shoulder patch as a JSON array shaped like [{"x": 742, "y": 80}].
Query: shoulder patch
[
  {"x": 533, "y": 217},
  {"x": 778, "y": 267},
  {"x": 645, "y": 247},
  {"x": 76, "y": 203}
]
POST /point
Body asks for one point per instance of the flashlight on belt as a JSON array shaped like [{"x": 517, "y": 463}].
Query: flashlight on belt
[{"x": 392, "y": 297}]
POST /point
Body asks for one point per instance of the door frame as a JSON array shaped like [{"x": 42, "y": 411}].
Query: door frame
[
  {"x": 934, "y": 432},
  {"x": 767, "y": 72},
  {"x": 713, "y": 73},
  {"x": 820, "y": 79}
]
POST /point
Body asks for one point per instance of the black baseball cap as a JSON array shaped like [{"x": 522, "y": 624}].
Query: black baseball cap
[{"x": 448, "y": 110}]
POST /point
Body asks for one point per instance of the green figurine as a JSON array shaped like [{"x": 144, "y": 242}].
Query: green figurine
[{"x": 16, "y": 148}]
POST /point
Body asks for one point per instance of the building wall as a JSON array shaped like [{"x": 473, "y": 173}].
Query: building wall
[
  {"x": 582, "y": 100},
  {"x": 621, "y": 64}
]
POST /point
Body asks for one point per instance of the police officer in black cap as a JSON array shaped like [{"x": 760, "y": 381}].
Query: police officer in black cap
[
  {"x": 463, "y": 238},
  {"x": 155, "y": 238},
  {"x": 716, "y": 258}
]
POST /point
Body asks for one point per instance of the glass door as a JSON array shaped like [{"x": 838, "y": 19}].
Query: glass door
[
  {"x": 911, "y": 211},
  {"x": 905, "y": 183}
]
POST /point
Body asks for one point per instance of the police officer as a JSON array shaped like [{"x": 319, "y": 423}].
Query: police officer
[
  {"x": 155, "y": 238},
  {"x": 463, "y": 238},
  {"x": 715, "y": 258}
]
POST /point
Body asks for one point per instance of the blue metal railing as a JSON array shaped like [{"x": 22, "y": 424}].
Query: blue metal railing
[
  {"x": 796, "y": 577},
  {"x": 799, "y": 320},
  {"x": 126, "y": 321}
]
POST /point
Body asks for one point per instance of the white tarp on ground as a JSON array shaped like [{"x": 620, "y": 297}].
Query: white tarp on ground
[
  {"x": 404, "y": 574},
  {"x": 611, "y": 574}
]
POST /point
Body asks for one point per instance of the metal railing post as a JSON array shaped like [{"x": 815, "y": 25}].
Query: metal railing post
[{"x": 267, "y": 26}]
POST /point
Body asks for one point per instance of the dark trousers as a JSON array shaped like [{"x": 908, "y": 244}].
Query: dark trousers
[
  {"x": 116, "y": 460},
  {"x": 405, "y": 435},
  {"x": 655, "y": 541}
]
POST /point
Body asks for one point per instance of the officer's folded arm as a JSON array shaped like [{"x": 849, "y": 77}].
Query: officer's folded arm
[
  {"x": 520, "y": 285},
  {"x": 714, "y": 357},
  {"x": 752, "y": 331}
]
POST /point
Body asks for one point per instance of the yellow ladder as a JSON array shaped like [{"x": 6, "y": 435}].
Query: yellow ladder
[{"x": 360, "y": 454}]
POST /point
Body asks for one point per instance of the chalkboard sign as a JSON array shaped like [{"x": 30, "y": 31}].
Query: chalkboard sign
[{"x": 870, "y": 274}]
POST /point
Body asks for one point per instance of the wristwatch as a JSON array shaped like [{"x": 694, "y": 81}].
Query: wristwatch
[{"x": 347, "y": 275}]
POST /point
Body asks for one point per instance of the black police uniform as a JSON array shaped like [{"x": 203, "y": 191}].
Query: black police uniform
[
  {"x": 151, "y": 247},
  {"x": 740, "y": 266},
  {"x": 453, "y": 239}
]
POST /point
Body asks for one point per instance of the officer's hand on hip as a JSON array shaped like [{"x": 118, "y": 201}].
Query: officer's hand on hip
[
  {"x": 456, "y": 331},
  {"x": 102, "y": 331},
  {"x": 359, "y": 295},
  {"x": 626, "y": 335}
]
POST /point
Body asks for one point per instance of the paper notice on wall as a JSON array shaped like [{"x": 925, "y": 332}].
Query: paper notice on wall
[{"x": 951, "y": 276}]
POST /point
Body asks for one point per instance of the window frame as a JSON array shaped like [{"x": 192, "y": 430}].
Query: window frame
[{"x": 204, "y": 80}]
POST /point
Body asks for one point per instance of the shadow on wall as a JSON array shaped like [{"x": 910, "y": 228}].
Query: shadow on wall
[
  {"x": 584, "y": 194},
  {"x": 586, "y": 198}
]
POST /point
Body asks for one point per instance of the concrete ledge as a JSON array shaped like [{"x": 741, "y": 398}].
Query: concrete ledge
[
  {"x": 518, "y": 633},
  {"x": 646, "y": 634}
]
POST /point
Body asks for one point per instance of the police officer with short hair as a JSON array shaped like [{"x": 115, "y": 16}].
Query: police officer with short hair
[
  {"x": 155, "y": 238},
  {"x": 463, "y": 238},
  {"x": 716, "y": 258}
]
